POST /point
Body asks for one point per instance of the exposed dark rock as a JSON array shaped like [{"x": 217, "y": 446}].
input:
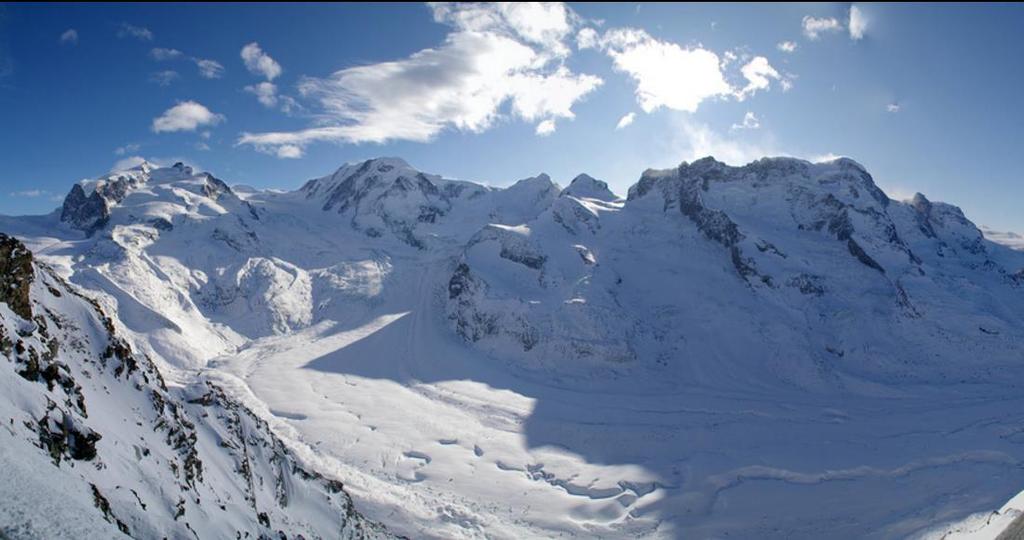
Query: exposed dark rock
[
  {"x": 808, "y": 284},
  {"x": 16, "y": 276},
  {"x": 214, "y": 187},
  {"x": 161, "y": 224},
  {"x": 64, "y": 438},
  {"x": 531, "y": 260},
  {"x": 84, "y": 212}
]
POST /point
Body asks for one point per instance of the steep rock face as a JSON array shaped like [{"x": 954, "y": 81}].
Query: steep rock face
[
  {"x": 87, "y": 206},
  {"x": 88, "y": 416},
  {"x": 85, "y": 212},
  {"x": 16, "y": 276}
]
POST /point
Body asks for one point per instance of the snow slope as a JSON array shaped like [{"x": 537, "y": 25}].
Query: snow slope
[
  {"x": 774, "y": 350},
  {"x": 96, "y": 443}
]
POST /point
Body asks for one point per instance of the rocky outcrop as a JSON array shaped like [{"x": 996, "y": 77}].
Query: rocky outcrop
[{"x": 16, "y": 275}]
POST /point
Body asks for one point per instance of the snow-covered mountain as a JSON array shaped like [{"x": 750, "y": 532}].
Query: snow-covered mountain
[
  {"x": 773, "y": 350},
  {"x": 96, "y": 442}
]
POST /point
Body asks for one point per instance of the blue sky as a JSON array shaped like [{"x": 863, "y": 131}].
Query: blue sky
[{"x": 927, "y": 97}]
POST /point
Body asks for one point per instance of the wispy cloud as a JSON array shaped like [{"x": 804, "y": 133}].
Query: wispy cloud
[
  {"x": 69, "y": 37},
  {"x": 694, "y": 140},
  {"x": 135, "y": 161},
  {"x": 137, "y": 32},
  {"x": 815, "y": 26},
  {"x": 165, "y": 77},
  {"x": 892, "y": 108},
  {"x": 185, "y": 116},
  {"x": 625, "y": 121},
  {"x": 786, "y": 46},
  {"x": 161, "y": 54},
  {"x": 759, "y": 74},
  {"x": 259, "y": 62},
  {"x": 545, "y": 128},
  {"x": 130, "y": 148},
  {"x": 750, "y": 121},
  {"x": 858, "y": 24},
  {"x": 265, "y": 92},
  {"x": 209, "y": 69},
  {"x": 30, "y": 193},
  {"x": 496, "y": 55}
]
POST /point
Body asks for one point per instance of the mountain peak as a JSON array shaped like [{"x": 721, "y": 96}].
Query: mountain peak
[
  {"x": 587, "y": 187},
  {"x": 541, "y": 181}
]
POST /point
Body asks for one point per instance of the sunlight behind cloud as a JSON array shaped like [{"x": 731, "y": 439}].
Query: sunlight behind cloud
[{"x": 497, "y": 55}]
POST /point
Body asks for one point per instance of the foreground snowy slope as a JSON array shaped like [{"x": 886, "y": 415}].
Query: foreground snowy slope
[
  {"x": 95, "y": 443},
  {"x": 775, "y": 350}
]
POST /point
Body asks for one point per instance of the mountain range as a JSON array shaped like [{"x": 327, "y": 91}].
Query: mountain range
[{"x": 772, "y": 350}]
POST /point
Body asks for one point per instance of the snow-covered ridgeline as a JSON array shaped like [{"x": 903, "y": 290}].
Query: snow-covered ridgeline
[{"x": 523, "y": 336}]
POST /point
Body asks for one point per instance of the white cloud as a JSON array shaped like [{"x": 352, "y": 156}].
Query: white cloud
[
  {"x": 545, "y": 128},
  {"x": 814, "y": 27},
  {"x": 858, "y": 23},
  {"x": 161, "y": 54},
  {"x": 824, "y": 158},
  {"x": 137, "y": 32},
  {"x": 70, "y": 37},
  {"x": 897, "y": 193},
  {"x": 498, "y": 56},
  {"x": 893, "y": 107},
  {"x": 265, "y": 92},
  {"x": 587, "y": 38},
  {"x": 209, "y": 69},
  {"x": 126, "y": 149},
  {"x": 288, "y": 104},
  {"x": 786, "y": 46},
  {"x": 758, "y": 73},
  {"x": 544, "y": 24},
  {"x": 164, "y": 78},
  {"x": 625, "y": 121},
  {"x": 127, "y": 163},
  {"x": 259, "y": 62},
  {"x": 288, "y": 151},
  {"x": 134, "y": 161},
  {"x": 553, "y": 94},
  {"x": 679, "y": 78},
  {"x": 666, "y": 74},
  {"x": 750, "y": 121},
  {"x": 185, "y": 116}
]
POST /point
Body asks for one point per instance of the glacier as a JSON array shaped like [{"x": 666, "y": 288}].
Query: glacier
[{"x": 777, "y": 350}]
